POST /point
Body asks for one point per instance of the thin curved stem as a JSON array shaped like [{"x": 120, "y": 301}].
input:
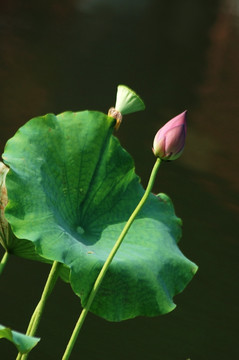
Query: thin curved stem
[
  {"x": 108, "y": 261},
  {"x": 4, "y": 261},
  {"x": 37, "y": 314}
]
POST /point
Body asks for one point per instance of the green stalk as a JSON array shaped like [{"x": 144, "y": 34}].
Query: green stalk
[
  {"x": 36, "y": 316},
  {"x": 4, "y": 261},
  {"x": 104, "y": 269}
]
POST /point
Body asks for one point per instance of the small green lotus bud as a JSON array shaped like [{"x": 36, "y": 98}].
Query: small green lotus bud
[{"x": 127, "y": 101}]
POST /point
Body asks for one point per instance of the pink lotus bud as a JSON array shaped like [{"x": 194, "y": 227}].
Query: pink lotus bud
[{"x": 170, "y": 139}]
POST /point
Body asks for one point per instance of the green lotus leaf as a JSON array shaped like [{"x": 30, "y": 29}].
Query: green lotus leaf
[
  {"x": 71, "y": 189},
  {"x": 4, "y": 231},
  {"x": 8, "y": 240},
  {"x": 23, "y": 342}
]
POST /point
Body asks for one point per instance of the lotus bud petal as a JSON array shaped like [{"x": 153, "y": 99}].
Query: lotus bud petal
[
  {"x": 170, "y": 139},
  {"x": 116, "y": 115}
]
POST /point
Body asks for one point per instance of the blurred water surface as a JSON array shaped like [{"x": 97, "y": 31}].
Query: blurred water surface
[{"x": 71, "y": 55}]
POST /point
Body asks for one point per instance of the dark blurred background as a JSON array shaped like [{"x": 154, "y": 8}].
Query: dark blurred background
[{"x": 59, "y": 55}]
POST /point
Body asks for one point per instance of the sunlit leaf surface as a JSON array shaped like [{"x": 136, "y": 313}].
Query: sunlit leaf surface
[
  {"x": 23, "y": 342},
  {"x": 72, "y": 188}
]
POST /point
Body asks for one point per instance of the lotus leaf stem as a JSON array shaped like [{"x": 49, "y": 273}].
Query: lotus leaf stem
[
  {"x": 108, "y": 261},
  {"x": 36, "y": 316}
]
